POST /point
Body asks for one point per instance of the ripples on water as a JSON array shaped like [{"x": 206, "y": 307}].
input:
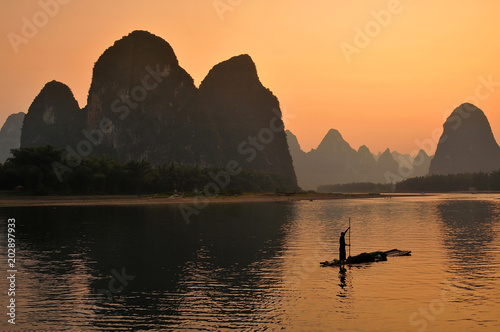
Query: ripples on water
[{"x": 255, "y": 266}]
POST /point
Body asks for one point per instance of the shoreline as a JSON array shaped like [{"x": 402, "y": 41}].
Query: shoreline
[{"x": 120, "y": 200}]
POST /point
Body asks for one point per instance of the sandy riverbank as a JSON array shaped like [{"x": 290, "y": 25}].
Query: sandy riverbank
[{"x": 20, "y": 201}]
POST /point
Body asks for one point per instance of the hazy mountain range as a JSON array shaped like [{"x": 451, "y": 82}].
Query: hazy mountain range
[
  {"x": 334, "y": 161},
  {"x": 467, "y": 145}
]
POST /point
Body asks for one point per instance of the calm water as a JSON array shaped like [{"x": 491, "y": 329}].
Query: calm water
[{"x": 255, "y": 266}]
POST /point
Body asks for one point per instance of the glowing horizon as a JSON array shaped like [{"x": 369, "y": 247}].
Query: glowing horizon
[{"x": 385, "y": 75}]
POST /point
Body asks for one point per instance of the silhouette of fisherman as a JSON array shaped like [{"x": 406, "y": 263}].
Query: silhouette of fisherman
[{"x": 342, "y": 257}]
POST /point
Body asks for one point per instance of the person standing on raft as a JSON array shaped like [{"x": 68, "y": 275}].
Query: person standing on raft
[{"x": 342, "y": 257}]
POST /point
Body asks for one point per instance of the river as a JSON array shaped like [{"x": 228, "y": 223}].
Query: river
[{"x": 255, "y": 266}]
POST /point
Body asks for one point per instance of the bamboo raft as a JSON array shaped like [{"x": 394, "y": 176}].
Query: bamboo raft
[{"x": 376, "y": 256}]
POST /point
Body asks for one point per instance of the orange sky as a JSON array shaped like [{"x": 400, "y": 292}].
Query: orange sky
[{"x": 421, "y": 58}]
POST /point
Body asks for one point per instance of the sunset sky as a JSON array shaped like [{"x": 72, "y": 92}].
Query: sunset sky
[{"x": 391, "y": 86}]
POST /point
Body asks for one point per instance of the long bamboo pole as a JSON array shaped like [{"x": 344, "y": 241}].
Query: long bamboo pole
[{"x": 350, "y": 231}]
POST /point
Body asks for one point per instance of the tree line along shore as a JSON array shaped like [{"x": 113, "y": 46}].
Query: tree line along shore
[{"x": 31, "y": 171}]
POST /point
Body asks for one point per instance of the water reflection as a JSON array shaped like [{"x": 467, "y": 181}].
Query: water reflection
[
  {"x": 342, "y": 283},
  {"x": 470, "y": 239},
  {"x": 468, "y": 231},
  {"x": 255, "y": 266},
  {"x": 207, "y": 274}
]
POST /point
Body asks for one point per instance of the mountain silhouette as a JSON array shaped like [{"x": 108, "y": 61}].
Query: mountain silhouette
[
  {"x": 421, "y": 164},
  {"x": 336, "y": 162},
  {"x": 333, "y": 162},
  {"x": 142, "y": 105},
  {"x": 10, "y": 135},
  {"x": 467, "y": 144},
  {"x": 53, "y": 118},
  {"x": 153, "y": 104},
  {"x": 387, "y": 169},
  {"x": 247, "y": 116}
]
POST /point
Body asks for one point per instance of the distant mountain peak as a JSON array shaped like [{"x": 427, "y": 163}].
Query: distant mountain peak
[
  {"x": 365, "y": 153},
  {"x": 141, "y": 34},
  {"x": 387, "y": 158},
  {"x": 387, "y": 153},
  {"x": 10, "y": 135},
  {"x": 53, "y": 116},
  {"x": 126, "y": 62},
  {"x": 55, "y": 85},
  {"x": 242, "y": 61},
  {"x": 334, "y": 142},
  {"x": 54, "y": 94},
  {"x": 364, "y": 148},
  {"x": 239, "y": 71},
  {"x": 468, "y": 107},
  {"x": 422, "y": 153},
  {"x": 467, "y": 143},
  {"x": 142, "y": 41},
  {"x": 56, "y": 88},
  {"x": 333, "y": 134},
  {"x": 469, "y": 114}
]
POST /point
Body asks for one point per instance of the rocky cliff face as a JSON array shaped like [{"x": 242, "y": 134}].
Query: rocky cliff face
[
  {"x": 54, "y": 118},
  {"x": 153, "y": 104},
  {"x": 248, "y": 118},
  {"x": 467, "y": 144},
  {"x": 10, "y": 135}
]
